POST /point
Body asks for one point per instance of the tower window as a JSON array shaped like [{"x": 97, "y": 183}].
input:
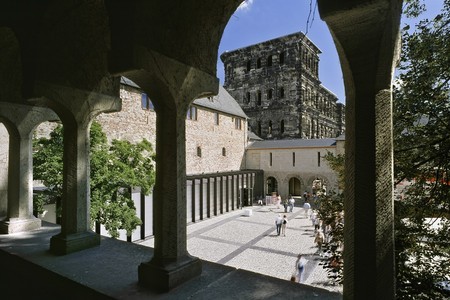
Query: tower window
[
  {"x": 248, "y": 97},
  {"x": 281, "y": 58},
  {"x": 282, "y": 126},
  {"x": 258, "y": 63},
  {"x": 269, "y": 94},
  {"x": 259, "y": 98},
  {"x": 269, "y": 61},
  {"x": 249, "y": 65},
  {"x": 281, "y": 92}
]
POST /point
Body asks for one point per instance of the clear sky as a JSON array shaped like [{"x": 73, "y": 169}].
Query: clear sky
[{"x": 261, "y": 20}]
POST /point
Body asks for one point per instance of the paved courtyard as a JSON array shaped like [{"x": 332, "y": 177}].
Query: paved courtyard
[{"x": 251, "y": 243}]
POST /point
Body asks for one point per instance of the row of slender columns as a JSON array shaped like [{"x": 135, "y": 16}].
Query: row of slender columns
[{"x": 226, "y": 192}]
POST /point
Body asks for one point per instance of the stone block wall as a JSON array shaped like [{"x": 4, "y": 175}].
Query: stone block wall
[{"x": 277, "y": 84}]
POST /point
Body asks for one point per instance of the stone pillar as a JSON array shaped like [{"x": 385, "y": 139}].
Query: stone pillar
[
  {"x": 76, "y": 109},
  {"x": 172, "y": 86},
  {"x": 21, "y": 120},
  {"x": 366, "y": 35}
]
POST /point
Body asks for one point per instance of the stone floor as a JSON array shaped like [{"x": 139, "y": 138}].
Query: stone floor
[{"x": 251, "y": 243}]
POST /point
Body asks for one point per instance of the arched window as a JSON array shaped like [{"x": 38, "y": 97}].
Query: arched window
[
  {"x": 281, "y": 58},
  {"x": 269, "y": 61},
  {"x": 281, "y": 92}
]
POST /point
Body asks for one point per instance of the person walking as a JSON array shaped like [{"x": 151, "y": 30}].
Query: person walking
[
  {"x": 306, "y": 207},
  {"x": 278, "y": 222},
  {"x": 283, "y": 225},
  {"x": 319, "y": 240},
  {"x": 300, "y": 264},
  {"x": 291, "y": 203}
]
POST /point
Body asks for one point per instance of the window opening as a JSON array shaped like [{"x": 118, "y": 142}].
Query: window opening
[{"x": 192, "y": 113}]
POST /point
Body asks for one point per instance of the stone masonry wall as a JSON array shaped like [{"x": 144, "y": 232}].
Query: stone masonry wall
[{"x": 277, "y": 85}]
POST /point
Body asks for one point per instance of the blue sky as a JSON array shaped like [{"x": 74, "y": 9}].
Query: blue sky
[{"x": 261, "y": 20}]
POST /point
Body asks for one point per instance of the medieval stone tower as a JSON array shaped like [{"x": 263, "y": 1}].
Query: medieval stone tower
[{"x": 277, "y": 84}]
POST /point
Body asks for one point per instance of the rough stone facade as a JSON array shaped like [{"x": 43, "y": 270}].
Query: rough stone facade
[
  {"x": 210, "y": 147},
  {"x": 277, "y": 84}
]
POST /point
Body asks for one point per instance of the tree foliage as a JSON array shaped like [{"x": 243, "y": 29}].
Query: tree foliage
[
  {"x": 331, "y": 213},
  {"x": 422, "y": 155},
  {"x": 115, "y": 169}
]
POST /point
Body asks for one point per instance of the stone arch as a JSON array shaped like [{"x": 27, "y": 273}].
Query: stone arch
[
  {"x": 295, "y": 188},
  {"x": 271, "y": 184}
]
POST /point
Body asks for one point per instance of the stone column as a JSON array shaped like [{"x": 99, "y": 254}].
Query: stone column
[
  {"x": 172, "y": 86},
  {"x": 366, "y": 35},
  {"x": 76, "y": 109},
  {"x": 21, "y": 120}
]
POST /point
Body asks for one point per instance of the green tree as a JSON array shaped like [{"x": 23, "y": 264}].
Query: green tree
[
  {"x": 331, "y": 212},
  {"x": 115, "y": 169},
  {"x": 422, "y": 155}
]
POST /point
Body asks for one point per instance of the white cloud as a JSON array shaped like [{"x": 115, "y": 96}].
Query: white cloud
[{"x": 245, "y": 5}]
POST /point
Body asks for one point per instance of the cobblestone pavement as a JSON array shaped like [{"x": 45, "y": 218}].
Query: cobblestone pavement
[{"x": 251, "y": 243}]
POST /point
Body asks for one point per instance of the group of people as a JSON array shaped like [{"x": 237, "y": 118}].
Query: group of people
[{"x": 280, "y": 223}]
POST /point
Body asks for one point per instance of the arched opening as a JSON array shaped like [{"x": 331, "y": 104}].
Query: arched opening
[
  {"x": 271, "y": 185},
  {"x": 295, "y": 187}
]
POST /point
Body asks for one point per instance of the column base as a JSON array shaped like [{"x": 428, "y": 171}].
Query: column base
[
  {"x": 64, "y": 244},
  {"x": 15, "y": 225},
  {"x": 165, "y": 277}
]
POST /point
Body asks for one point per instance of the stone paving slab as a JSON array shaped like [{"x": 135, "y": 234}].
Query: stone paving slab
[{"x": 251, "y": 243}]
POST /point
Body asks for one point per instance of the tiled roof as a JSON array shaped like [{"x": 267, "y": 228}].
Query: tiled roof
[
  {"x": 296, "y": 143},
  {"x": 222, "y": 102}
]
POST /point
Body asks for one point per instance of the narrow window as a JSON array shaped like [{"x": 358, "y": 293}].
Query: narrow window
[
  {"x": 237, "y": 123},
  {"x": 269, "y": 61},
  {"x": 258, "y": 63},
  {"x": 259, "y": 128},
  {"x": 270, "y": 159},
  {"x": 270, "y": 127},
  {"x": 146, "y": 103},
  {"x": 216, "y": 118},
  {"x": 281, "y": 58},
  {"x": 293, "y": 159},
  {"x": 248, "y": 97},
  {"x": 249, "y": 65},
  {"x": 224, "y": 151},
  {"x": 281, "y": 92},
  {"x": 259, "y": 98},
  {"x": 199, "y": 151},
  {"x": 269, "y": 94},
  {"x": 192, "y": 113},
  {"x": 282, "y": 126},
  {"x": 318, "y": 159}
]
